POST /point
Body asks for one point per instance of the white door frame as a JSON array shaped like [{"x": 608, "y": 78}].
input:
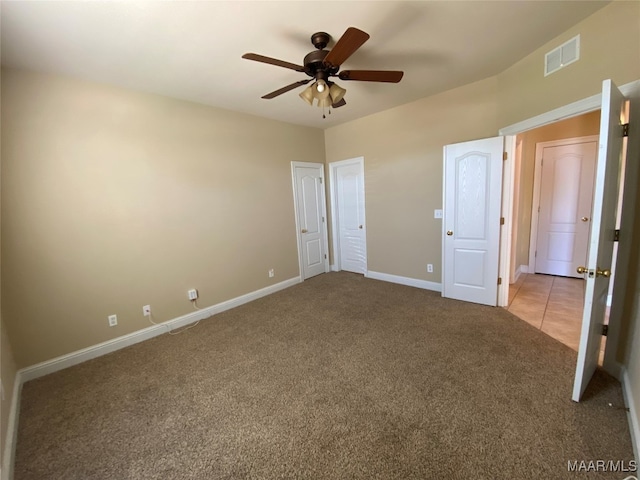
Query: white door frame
[
  {"x": 325, "y": 236},
  {"x": 537, "y": 184},
  {"x": 506, "y": 233},
  {"x": 586, "y": 105},
  {"x": 333, "y": 167}
]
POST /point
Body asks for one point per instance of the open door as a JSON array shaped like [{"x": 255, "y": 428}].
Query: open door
[
  {"x": 603, "y": 224},
  {"x": 471, "y": 220}
]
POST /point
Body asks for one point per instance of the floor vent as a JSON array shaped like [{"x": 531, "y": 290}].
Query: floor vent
[{"x": 564, "y": 55}]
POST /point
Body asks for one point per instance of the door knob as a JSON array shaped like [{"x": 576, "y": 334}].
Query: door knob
[
  {"x": 584, "y": 219},
  {"x": 304, "y": 230},
  {"x": 603, "y": 273},
  {"x": 360, "y": 227},
  {"x": 581, "y": 270},
  {"x": 449, "y": 232}
]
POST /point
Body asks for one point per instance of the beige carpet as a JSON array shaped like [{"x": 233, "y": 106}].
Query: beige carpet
[{"x": 339, "y": 377}]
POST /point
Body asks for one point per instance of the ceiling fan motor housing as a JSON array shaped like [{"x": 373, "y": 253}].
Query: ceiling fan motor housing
[
  {"x": 314, "y": 66},
  {"x": 320, "y": 40}
]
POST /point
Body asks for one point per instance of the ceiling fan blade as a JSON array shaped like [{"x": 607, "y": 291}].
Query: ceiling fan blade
[
  {"x": 273, "y": 61},
  {"x": 342, "y": 102},
  {"x": 390, "y": 76},
  {"x": 349, "y": 42},
  {"x": 282, "y": 90}
]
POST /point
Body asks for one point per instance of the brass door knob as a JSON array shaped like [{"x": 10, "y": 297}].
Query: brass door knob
[
  {"x": 584, "y": 219},
  {"x": 603, "y": 273},
  {"x": 581, "y": 270},
  {"x": 449, "y": 232},
  {"x": 304, "y": 230}
]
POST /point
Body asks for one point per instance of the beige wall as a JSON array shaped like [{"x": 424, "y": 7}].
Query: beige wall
[
  {"x": 581, "y": 126},
  {"x": 402, "y": 148},
  {"x": 609, "y": 48},
  {"x": 113, "y": 199}
]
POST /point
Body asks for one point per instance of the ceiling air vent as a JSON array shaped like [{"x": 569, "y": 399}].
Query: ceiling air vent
[{"x": 564, "y": 55}]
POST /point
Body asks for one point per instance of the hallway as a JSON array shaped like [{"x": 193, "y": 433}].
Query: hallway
[{"x": 552, "y": 304}]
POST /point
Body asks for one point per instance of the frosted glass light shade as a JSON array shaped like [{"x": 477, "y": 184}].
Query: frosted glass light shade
[
  {"x": 325, "y": 102},
  {"x": 307, "y": 95},
  {"x": 336, "y": 92}
]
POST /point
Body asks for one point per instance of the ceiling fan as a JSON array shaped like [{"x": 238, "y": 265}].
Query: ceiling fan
[{"x": 322, "y": 64}]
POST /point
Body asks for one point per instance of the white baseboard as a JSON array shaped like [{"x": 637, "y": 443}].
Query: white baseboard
[
  {"x": 9, "y": 453},
  {"x": 334, "y": 268},
  {"x": 109, "y": 346},
  {"x": 632, "y": 415},
  {"x": 411, "y": 282},
  {"x": 74, "y": 358}
]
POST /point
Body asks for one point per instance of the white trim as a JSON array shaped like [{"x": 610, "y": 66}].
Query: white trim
[
  {"x": 334, "y": 268},
  {"x": 506, "y": 209},
  {"x": 325, "y": 234},
  {"x": 8, "y": 456},
  {"x": 109, "y": 346},
  {"x": 410, "y": 282},
  {"x": 519, "y": 271},
  {"x": 574, "y": 109},
  {"x": 79, "y": 356},
  {"x": 335, "y": 237},
  {"x": 516, "y": 275},
  {"x": 632, "y": 415},
  {"x": 537, "y": 185}
]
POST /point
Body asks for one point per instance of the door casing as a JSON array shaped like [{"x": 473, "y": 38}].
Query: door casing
[
  {"x": 537, "y": 183},
  {"x": 586, "y": 105}
]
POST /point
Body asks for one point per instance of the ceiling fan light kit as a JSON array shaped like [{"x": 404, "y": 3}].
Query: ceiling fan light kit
[{"x": 321, "y": 64}]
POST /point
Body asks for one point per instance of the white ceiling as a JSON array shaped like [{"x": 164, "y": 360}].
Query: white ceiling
[{"x": 192, "y": 50}]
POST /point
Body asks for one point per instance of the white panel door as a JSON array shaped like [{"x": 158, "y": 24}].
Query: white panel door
[
  {"x": 350, "y": 222},
  {"x": 309, "y": 194},
  {"x": 566, "y": 194},
  {"x": 603, "y": 224},
  {"x": 471, "y": 220}
]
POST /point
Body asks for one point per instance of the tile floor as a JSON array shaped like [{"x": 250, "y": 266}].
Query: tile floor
[{"x": 552, "y": 304}]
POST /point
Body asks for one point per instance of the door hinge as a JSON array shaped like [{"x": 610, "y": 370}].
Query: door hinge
[
  {"x": 325, "y": 256},
  {"x": 504, "y": 155},
  {"x": 605, "y": 330},
  {"x": 320, "y": 179},
  {"x": 616, "y": 235},
  {"x": 501, "y": 220},
  {"x": 625, "y": 130},
  {"x": 499, "y": 280},
  {"x": 322, "y": 219},
  {"x": 536, "y": 253}
]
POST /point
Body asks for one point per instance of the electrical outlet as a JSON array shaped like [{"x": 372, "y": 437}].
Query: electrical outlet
[
  {"x": 429, "y": 268},
  {"x": 113, "y": 320},
  {"x": 193, "y": 294},
  {"x": 272, "y": 273},
  {"x": 146, "y": 310}
]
